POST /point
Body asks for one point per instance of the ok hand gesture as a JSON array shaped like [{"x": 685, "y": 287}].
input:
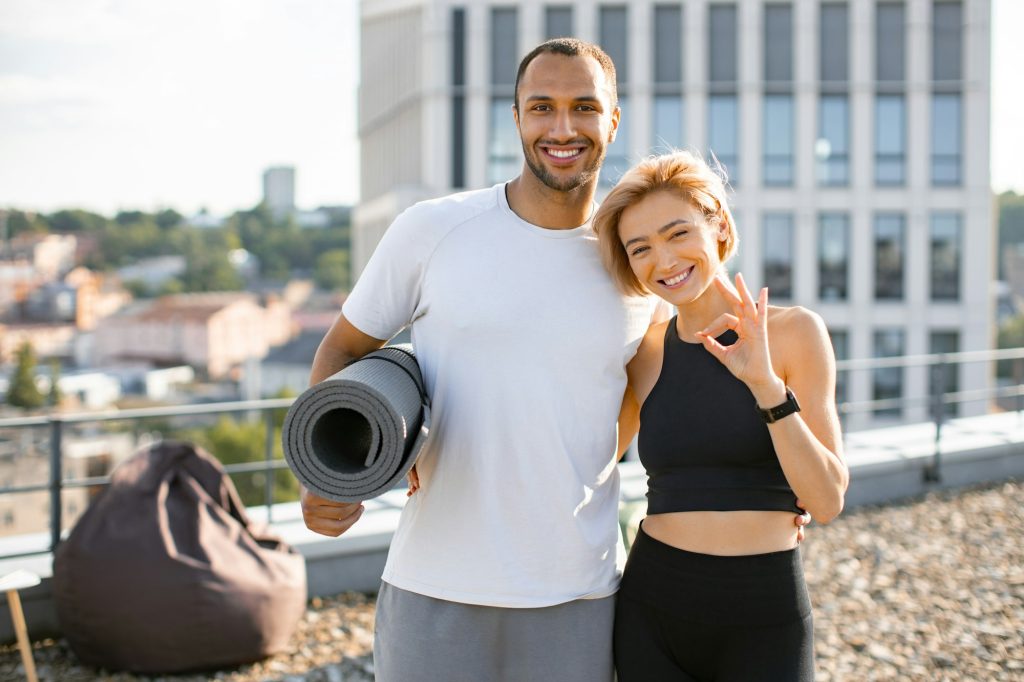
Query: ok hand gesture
[{"x": 748, "y": 359}]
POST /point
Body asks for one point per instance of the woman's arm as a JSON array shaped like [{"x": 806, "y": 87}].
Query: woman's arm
[{"x": 808, "y": 443}]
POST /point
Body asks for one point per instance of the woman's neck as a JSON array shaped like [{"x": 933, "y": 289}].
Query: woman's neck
[{"x": 696, "y": 315}]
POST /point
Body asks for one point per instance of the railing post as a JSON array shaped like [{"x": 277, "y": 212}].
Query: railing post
[
  {"x": 56, "y": 476},
  {"x": 1018, "y": 379},
  {"x": 933, "y": 473},
  {"x": 268, "y": 456}
]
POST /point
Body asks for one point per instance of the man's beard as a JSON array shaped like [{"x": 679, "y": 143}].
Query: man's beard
[{"x": 558, "y": 184}]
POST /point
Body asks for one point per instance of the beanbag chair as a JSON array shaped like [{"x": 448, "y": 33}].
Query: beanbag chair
[{"x": 164, "y": 572}]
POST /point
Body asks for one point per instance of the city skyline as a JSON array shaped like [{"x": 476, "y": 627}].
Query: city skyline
[{"x": 107, "y": 105}]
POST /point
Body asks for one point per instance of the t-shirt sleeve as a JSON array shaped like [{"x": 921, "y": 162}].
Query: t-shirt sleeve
[{"x": 386, "y": 295}]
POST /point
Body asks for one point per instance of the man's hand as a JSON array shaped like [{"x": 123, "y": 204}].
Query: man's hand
[
  {"x": 801, "y": 520},
  {"x": 327, "y": 517}
]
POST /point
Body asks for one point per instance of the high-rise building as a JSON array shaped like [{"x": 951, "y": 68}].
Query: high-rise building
[
  {"x": 855, "y": 134},
  {"x": 279, "y": 189}
]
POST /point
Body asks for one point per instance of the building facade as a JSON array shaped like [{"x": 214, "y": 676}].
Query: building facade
[
  {"x": 855, "y": 134},
  {"x": 279, "y": 189},
  {"x": 215, "y": 333}
]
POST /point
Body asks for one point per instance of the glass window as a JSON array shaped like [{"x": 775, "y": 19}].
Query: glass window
[
  {"x": 558, "y": 22},
  {"x": 889, "y": 42},
  {"x": 889, "y": 238},
  {"x": 888, "y": 381},
  {"x": 616, "y": 162},
  {"x": 669, "y": 122},
  {"x": 723, "y": 133},
  {"x": 722, "y": 43},
  {"x": 504, "y": 53},
  {"x": 614, "y": 31},
  {"x": 668, "y": 44},
  {"x": 832, "y": 148},
  {"x": 841, "y": 349},
  {"x": 948, "y": 374},
  {"x": 778, "y": 43},
  {"x": 833, "y": 256},
  {"x": 946, "y": 139},
  {"x": 778, "y": 140},
  {"x": 777, "y": 247},
  {"x": 947, "y": 41},
  {"x": 458, "y": 47},
  {"x": 945, "y": 256},
  {"x": 504, "y": 150},
  {"x": 458, "y": 100},
  {"x": 834, "y": 42},
  {"x": 890, "y": 139},
  {"x": 458, "y": 150}
]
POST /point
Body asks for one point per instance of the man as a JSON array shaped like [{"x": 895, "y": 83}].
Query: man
[{"x": 503, "y": 566}]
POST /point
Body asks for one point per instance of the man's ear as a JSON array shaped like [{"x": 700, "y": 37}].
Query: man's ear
[
  {"x": 616, "y": 115},
  {"x": 515, "y": 116}
]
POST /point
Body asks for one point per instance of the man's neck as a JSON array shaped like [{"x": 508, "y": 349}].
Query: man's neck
[{"x": 539, "y": 205}]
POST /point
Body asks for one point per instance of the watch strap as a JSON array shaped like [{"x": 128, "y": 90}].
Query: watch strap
[{"x": 774, "y": 414}]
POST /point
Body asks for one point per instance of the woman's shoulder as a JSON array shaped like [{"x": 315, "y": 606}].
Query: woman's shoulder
[
  {"x": 654, "y": 339},
  {"x": 797, "y": 325}
]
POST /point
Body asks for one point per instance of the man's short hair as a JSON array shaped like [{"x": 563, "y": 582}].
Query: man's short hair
[{"x": 571, "y": 47}]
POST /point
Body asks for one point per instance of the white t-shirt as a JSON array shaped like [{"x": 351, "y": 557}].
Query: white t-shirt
[{"x": 522, "y": 339}]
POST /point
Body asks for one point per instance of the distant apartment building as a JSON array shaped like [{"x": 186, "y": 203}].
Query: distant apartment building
[
  {"x": 213, "y": 332},
  {"x": 48, "y": 340},
  {"x": 279, "y": 189},
  {"x": 24, "y": 462},
  {"x": 855, "y": 134},
  {"x": 51, "y": 314},
  {"x": 29, "y": 261},
  {"x": 153, "y": 272}
]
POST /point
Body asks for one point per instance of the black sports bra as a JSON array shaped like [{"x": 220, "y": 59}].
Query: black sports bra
[{"x": 703, "y": 444}]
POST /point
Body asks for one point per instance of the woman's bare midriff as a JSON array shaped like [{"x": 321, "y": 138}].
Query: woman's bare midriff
[{"x": 730, "y": 533}]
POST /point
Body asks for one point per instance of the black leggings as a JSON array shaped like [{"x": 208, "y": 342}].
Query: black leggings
[{"x": 687, "y": 617}]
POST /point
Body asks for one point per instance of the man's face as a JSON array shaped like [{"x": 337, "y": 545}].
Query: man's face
[{"x": 566, "y": 119}]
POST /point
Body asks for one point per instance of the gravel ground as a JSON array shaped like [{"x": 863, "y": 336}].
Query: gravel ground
[{"x": 929, "y": 590}]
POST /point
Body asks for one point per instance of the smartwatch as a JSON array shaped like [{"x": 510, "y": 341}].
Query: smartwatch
[{"x": 774, "y": 414}]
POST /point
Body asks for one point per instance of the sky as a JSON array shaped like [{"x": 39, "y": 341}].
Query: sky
[{"x": 115, "y": 105}]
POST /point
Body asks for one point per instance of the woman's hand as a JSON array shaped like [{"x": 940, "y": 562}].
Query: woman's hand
[
  {"x": 749, "y": 358},
  {"x": 414, "y": 481}
]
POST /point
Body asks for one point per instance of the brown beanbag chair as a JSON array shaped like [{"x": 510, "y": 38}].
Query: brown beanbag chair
[{"x": 164, "y": 573}]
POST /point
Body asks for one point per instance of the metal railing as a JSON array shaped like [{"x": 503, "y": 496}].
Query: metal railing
[
  {"x": 937, "y": 400},
  {"x": 56, "y": 424}
]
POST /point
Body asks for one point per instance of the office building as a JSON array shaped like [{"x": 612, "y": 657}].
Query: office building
[{"x": 855, "y": 134}]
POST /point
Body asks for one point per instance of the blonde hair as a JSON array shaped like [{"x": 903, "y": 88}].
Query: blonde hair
[{"x": 684, "y": 174}]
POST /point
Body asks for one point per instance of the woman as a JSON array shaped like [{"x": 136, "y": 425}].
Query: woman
[{"x": 713, "y": 588}]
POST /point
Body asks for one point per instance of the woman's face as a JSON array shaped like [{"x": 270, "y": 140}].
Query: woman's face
[{"x": 671, "y": 246}]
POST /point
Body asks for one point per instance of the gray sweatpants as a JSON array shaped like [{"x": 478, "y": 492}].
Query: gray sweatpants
[{"x": 422, "y": 638}]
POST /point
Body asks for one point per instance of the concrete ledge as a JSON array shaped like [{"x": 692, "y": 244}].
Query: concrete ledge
[{"x": 886, "y": 465}]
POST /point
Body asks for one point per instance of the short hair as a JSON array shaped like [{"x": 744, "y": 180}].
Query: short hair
[
  {"x": 682, "y": 173},
  {"x": 570, "y": 47}
]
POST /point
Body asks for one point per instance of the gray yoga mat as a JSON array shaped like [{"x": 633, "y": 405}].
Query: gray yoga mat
[{"x": 355, "y": 435}]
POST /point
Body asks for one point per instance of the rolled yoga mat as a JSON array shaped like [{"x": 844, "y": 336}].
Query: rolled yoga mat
[{"x": 356, "y": 434}]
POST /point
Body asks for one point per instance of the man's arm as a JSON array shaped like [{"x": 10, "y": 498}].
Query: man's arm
[{"x": 342, "y": 344}]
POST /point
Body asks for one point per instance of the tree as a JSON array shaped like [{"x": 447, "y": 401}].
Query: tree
[
  {"x": 332, "y": 270},
  {"x": 23, "y": 391},
  {"x": 76, "y": 221},
  {"x": 168, "y": 218},
  {"x": 234, "y": 442},
  {"x": 19, "y": 222}
]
